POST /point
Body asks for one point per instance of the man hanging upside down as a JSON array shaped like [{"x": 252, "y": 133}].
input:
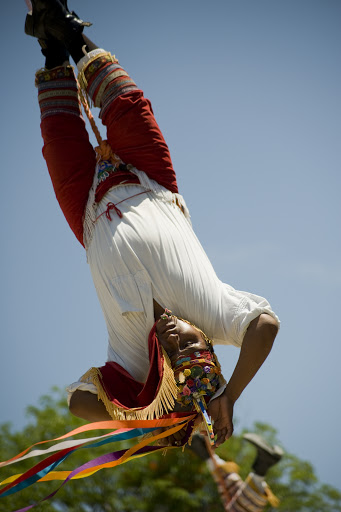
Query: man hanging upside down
[{"x": 143, "y": 254}]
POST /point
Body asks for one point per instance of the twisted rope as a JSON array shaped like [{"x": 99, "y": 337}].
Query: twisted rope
[{"x": 103, "y": 150}]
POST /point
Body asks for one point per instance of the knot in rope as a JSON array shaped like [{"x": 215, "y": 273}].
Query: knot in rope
[
  {"x": 104, "y": 152},
  {"x": 112, "y": 206}
]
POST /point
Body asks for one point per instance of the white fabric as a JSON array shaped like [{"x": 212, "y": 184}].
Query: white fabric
[{"x": 153, "y": 253}]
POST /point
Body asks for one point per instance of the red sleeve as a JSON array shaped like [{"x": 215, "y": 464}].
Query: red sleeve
[
  {"x": 71, "y": 163},
  {"x": 136, "y": 138}
]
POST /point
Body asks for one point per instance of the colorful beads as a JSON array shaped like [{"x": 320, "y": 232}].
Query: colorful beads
[{"x": 197, "y": 375}]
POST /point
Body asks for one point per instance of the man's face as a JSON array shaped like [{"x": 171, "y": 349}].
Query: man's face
[{"x": 179, "y": 338}]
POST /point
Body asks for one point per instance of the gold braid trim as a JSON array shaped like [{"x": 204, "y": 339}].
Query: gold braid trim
[
  {"x": 162, "y": 404},
  {"x": 46, "y": 75},
  {"x": 272, "y": 499}
]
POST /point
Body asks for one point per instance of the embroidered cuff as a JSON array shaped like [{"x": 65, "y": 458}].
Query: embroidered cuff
[
  {"x": 102, "y": 78},
  {"x": 57, "y": 92}
]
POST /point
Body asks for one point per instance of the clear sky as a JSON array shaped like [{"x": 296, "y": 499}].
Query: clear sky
[{"x": 247, "y": 93}]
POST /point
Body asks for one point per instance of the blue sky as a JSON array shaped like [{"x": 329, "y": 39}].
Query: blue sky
[{"x": 247, "y": 94}]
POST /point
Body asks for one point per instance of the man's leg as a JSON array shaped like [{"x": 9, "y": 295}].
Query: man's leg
[
  {"x": 87, "y": 406},
  {"x": 69, "y": 155},
  {"x": 133, "y": 132}
]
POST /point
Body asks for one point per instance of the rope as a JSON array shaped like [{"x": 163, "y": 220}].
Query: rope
[
  {"x": 112, "y": 206},
  {"x": 103, "y": 150}
]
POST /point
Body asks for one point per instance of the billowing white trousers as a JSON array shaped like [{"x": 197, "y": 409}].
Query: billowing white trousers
[{"x": 153, "y": 253}]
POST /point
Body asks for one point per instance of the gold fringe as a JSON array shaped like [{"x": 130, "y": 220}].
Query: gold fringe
[
  {"x": 162, "y": 404},
  {"x": 272, "y": 499}
]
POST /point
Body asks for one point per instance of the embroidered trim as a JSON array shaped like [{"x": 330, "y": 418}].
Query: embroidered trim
[
  {"x": 62, "y": 83},
  {"x": 92, "y": 65},
  {"x": 58, "y": 92},
  {"x": 100, "y": 73},
  {"x": 46, "y": 75},
  {"x": 116, "y": 88},
  {"x": 88, "y": 56},
  {"x": 115, "y": 73},
  {"x": 53, "y": 93},
  {"x": 104, "y": 170}
]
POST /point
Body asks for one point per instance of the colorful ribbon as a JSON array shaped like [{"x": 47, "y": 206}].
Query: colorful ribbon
[
  {"x": 130, "y": 429},
  {"x": 201, "y": 406}
]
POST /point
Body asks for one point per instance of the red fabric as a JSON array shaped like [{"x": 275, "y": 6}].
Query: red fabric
[
  {"x": 71, "y": 162},
  {"x": 135, "y": 136},
  {"x": 132, "y": 133},
  {"x": 123, "y": 390},
  {"x": 115, "y": 179}
]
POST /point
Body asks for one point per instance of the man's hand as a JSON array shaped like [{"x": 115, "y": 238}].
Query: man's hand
[{"x": 221, "y": 411}]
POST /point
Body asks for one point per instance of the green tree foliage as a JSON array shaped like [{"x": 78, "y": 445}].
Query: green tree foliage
[{"x": 177, "y": 481}]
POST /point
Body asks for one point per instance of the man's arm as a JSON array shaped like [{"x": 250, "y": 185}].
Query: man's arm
[{"x": 257, "y": 344}]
